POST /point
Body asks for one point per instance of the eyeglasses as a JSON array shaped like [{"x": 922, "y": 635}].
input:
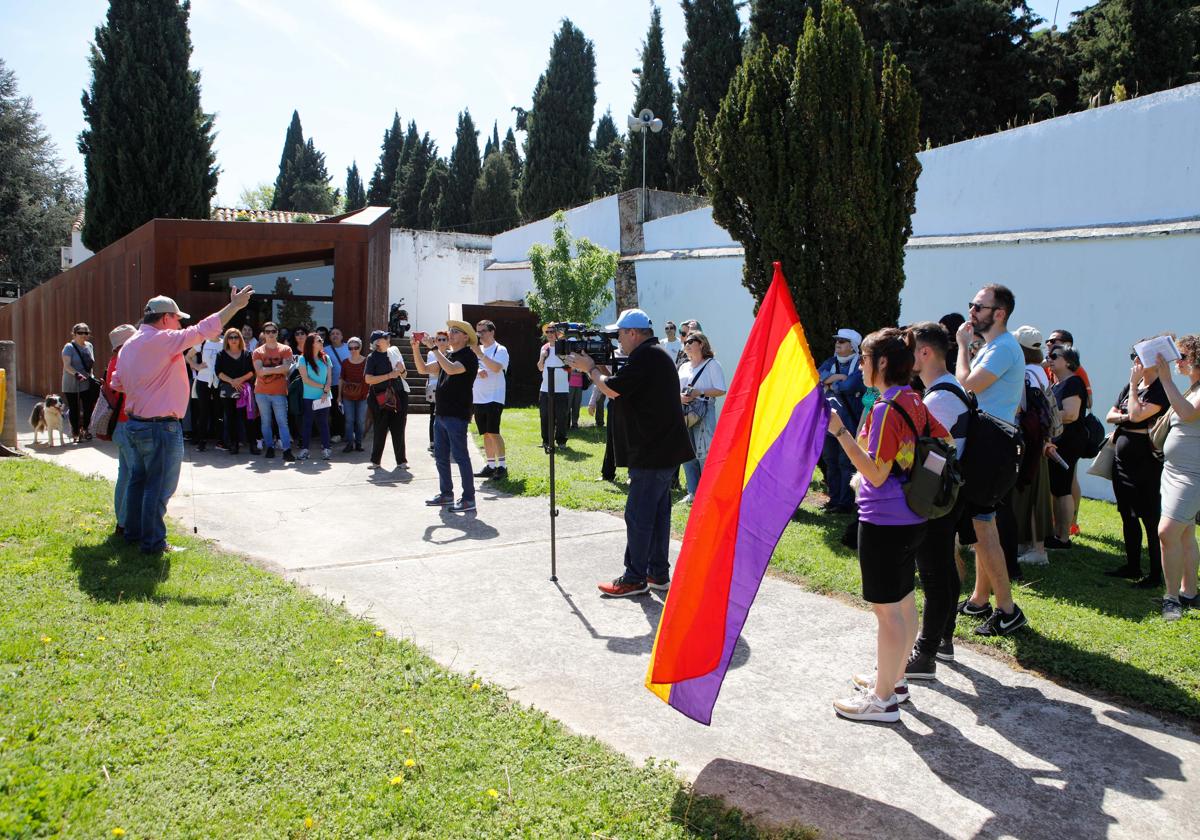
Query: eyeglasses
[
  {"x": 442, "y": 340},
  {"x": 976, "y": 307}
]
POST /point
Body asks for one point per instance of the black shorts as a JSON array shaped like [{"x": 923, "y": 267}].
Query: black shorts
[
  {"x": 887, "y": 556},
  {"x": 487, "y": 417}
]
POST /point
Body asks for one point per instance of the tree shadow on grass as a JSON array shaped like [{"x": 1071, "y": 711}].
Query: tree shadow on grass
[
  {"x": 1077, "y": 577},
  {"x": 114, "y": 571}
]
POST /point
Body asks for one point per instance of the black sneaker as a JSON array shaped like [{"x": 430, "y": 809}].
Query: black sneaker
[
  {"x": 288, "y": 456},
  {"x": 661, "y": 584},
  {"x": 358, "y": 447},
  {"x": 270, "y": 453},
  {"x": 487, "y": 472},
  {"x": 463, "y": 505},
  {"x": 501, "y": 472},
  {"x": 1054, "y": 543},
  {"x": 921, "y": 666},
  {"x": 945, "y": 651},
  {"x": 965, "y": 607},
  {"x": 348, "y": 448},
  {"x": 440, "y": 500},
  {"x": 1149, "y": 582},
  {"x": 1133, "y": 572},
  {"x": 1000, "y": 623},
  {"x": 1192, "y": 603}
]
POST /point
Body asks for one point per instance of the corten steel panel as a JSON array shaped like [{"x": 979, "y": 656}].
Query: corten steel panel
[
  {"x": 518, "y": 330},
  {"x": 111, "y": 287}
]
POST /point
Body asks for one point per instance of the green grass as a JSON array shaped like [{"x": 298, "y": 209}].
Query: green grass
[
  {"x": 205, "y": 697},
  {"x": 1093, "y": 631}
]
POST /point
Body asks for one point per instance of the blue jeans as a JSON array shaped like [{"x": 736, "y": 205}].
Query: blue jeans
[
  {"x": 124, "y": 469},
  {"x": 648, "y": 524},
  {"x": 356, "y": 420},
  {"x": 321, "y": 416},
  {"x": 838, "y": 472},
  {"x": 157, "y": 450},
  {"x": 450, "y": 441},
  {"x": 277, "y": 404}
]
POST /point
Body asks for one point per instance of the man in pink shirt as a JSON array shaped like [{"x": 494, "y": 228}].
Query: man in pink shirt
[{"x": 153, "y": 376}]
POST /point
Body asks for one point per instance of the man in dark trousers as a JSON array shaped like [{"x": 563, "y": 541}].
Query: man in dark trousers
[
  {"x": 649, "y": 437},
  {"x": 456, "y": 373}
]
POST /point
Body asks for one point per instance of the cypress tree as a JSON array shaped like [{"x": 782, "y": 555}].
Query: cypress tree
[
  {"x": 407, "y": 149},
  {"x": 464, "y": 172},
  {"x": 780, "y": 21},
  {"x": 811, "y": 162},
  {"x": 711, "y": 54},
  {"x": 431, "y": 195},
  {"x": 493, "y": 142},
  {"x": 356, "y": 196},
  {"x": 494, "y": 205},
  {"x": 607, "y": 154},
  {"x": 416, "y": 172},
  {"x": 654, "y": 91},
  {"x": 606, "y": 131},
  {"x": 148, "y": 147},
  {"x": 559, "y": 142},
  {"x": 514, "y": 157},
  {"x": 310, "y": 187},
  {"x": 379, "y": 193},
  {"x": 289, "y": 164}
]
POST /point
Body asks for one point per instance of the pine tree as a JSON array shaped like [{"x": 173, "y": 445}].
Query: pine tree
[
  {"x": 407, "y": 149},
  {"x": 464, "y": 172},
  {"x": 839, "y": 219},
  {"x": 493, "y": 142},
  {"x": 310, "y": 185},
  {"x": 431, "y": 195},
  {"x": 514, "y": 157},
  {"x": 607, "y": 153},
  {"x": 148, "y": 147},
  {"x": 654, "y": 91},
  {"x": 711, "y": 54},
  {"x": 289, "y": 163},
  {"x": 779, "y": 21},
  {"x": 558, "y": 145},
  {"x": 416, "y": 172},
  {"x": 356, "y": 196},
  {"x": 494, "y": 205},
  {"x": 379, "y": 193},
  {"x": 39, "y": 196}
]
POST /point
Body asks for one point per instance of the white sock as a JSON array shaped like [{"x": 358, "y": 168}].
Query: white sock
[
  {"x": 502, "y": 462},
  {"x": 492, "y": 463}
]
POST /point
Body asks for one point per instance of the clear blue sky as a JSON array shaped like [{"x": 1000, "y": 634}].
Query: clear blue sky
[{"x": 346, "y": 65}]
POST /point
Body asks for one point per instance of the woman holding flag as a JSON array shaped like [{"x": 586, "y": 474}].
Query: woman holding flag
[{"x": 889, "y": 531}]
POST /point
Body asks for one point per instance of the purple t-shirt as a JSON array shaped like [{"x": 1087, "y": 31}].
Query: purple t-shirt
[{"x": 886, "y": 437}]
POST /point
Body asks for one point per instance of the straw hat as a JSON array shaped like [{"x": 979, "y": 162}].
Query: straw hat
[{"x": 463, "y": 326}]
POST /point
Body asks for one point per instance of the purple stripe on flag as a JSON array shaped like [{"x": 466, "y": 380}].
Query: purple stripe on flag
[{"x": 777, "y": 486}]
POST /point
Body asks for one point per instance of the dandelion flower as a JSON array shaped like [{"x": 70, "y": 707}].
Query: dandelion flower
[
  {"x": 410, "y": 762},
  {"x": 378, "y": 633},
  {"x": 338, "y": 661},
  {"x": 101, "y": 639},
  {"x": 407, "y": 730},
  {"x": 475, "y": 685},
  {"x": 46, "y": 640},
  {"x": 395, "y": 780},
  {"x": 492, "y": 792},
  {"x": 118, "y": 832},
  {"x": 308, "y": 822}
]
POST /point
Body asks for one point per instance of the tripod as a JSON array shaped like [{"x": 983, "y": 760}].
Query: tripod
[{"x": 551, "y": 448}]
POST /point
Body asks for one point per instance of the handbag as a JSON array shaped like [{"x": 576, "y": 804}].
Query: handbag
[
  {"x": 387, "y": 399},
  {"x": 1162, "y": 426},
  {"x": 695, "y": 411},
  {"x": 1105, "y": 460},
  {"x": 1095, "y": 436},
  {"x": 104, "y": 417}
]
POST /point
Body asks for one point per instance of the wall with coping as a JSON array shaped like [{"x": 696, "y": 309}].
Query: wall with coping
[
  {"x": 432, "y": 271},
  {"x": 598, "y": 221}
]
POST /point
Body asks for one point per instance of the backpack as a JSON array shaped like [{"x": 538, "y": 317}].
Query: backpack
[
  {"x": 934, "y": 480},
  {"x": 992, "y": 461},
  {"x": 1046, "y": 404}
]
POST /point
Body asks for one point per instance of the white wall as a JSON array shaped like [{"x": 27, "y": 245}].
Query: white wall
[
  {"x": 1136, "y": 161},
  {"x": 694, "y": 229},
  {"x": 433, "y": 271},
  {"x": 598, "y": 221}
]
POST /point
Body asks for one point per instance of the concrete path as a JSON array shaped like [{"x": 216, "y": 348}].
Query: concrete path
[{"x": 985, "y": 752}]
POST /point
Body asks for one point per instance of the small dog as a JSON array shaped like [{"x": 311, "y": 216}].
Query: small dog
[{"x": 48, "y": 417}]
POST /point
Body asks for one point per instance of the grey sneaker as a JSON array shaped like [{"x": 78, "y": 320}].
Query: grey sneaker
[
  {"x": 325, "y": 453},
  {"x": 1172, "y": 610},
  {"x": 302, "y": 455},
  {"x": 463, "y": 505},
  {"x": 864, "y": 705}
]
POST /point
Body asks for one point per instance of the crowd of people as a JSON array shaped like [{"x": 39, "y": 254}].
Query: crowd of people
[{"x": 944, "y": 380}]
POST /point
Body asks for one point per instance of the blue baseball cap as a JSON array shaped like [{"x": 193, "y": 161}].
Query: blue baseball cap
[{"x": 631, "y": 319}]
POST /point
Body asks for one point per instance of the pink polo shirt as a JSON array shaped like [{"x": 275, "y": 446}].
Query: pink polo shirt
[{"x": 151, "y": 370}]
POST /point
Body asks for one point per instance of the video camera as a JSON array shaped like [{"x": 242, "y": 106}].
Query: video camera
[{"x": 585, "y": 338}]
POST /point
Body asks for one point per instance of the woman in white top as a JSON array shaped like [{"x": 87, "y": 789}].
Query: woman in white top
[
  {"x": 206, "y": 409},
  {"x": 701, "y": 382}
]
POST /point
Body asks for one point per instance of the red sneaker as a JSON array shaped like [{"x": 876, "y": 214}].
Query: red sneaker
[
  {"x": 621, "y": 588},
  {"x": 1074, "y": 530}
]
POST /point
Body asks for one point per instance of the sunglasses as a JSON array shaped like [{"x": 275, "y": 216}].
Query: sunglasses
[
  {"x": 83, "y": 332},
  {"x": 977, "y": 307},
  {"x": 1054, "y": 357},
  {"x": 1133, "y": 357},
  {"x": 693, "y": 341},
  {"x": 442, "y": 339},
  {"x": 270, "y": 332}
]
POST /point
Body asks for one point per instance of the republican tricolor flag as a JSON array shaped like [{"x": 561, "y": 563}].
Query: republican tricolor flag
[{"x": 759, "y": 466}]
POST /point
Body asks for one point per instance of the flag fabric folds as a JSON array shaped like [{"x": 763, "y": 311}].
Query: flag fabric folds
[{"x": 759, "y": 466}]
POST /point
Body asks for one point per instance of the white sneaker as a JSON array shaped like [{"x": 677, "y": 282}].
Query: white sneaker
[
  {"x": 302, "y": 455},
  {"x": 864, "y": 705},
  {"x": 1034, "y": 558},
  {"x": 688, "y": 499},
  {"x": 866, "y": 682},
  {"x": 325, "y": 453}
]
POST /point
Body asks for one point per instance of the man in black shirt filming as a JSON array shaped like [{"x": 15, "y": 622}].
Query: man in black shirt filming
[
  {"x": 456, "y": 372},
  {"x": 650, "y": 438}
]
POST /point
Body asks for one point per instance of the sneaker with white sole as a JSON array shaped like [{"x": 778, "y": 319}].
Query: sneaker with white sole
[
  {"x": 864, "y": 705},
  {"x": 302, "y": 455},
  {"x": 1000, "y": 623},
  {"x": 326, "y": 453},
  {"x": 945, "y": 651},
  {"x": 866, "y": 682},
  {"x": 1172, "y": 610},
  {"x": 1034, "y": 558},
  {"x": 921, "y": 666},
  {"x": 972, "y": 610}
]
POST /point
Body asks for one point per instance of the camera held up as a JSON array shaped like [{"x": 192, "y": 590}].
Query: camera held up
[{"x": 599, "y": 344}]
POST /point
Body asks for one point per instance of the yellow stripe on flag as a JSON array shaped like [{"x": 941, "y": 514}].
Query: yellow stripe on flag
[{"x": 792, "y": 377}]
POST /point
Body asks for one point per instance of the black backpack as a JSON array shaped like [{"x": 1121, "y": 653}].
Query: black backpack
[
  {"x": 992, "y": 460},
  {"x": 930, "y": 491}
]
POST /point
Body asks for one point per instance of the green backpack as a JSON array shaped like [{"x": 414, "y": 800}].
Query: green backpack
[{"x": 934, "y": 480}]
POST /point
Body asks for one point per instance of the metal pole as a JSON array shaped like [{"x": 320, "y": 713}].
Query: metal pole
[
  {"x": 645, "y": 131},
  {"x": 8, "y": 361},
  {"x": 550, "y": 447}
]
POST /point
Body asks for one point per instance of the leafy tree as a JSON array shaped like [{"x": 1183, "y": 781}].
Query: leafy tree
[
  {"x": 431, "y": 195},
  {"x": 39, "y": 196},
  {"x": 652, "y": 90},
  {"x": 494, "y": 204},
  {"x": 566, "y": 287},
  {"x": 558, "y": 146},
  {"x": 711, "y": 54},
  {"x": 607, "y": 155},
  {"x": 379, "y": 192},
  {"x": 514, "y": 157},
  {"x": 356, "y": 195},
  {"x": 415, "y": 173},
  {"x": 779, "y": 21},
  {"x": 289, "y": 164},
  {"x": 148, "y": 147},
  {"x": 811, "y": 161},
  {"x": 259, "y": 197},
  {"x": 464, "y": 172},
  {"x": 1143, "y": 45}
]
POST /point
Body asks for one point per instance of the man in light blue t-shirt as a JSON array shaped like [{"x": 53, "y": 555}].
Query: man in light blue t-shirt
[{"x": 997, "y": 376}]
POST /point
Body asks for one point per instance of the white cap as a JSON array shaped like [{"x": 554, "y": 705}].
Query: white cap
[
  {"x": 162, "y": 305},
  {"x": 631, "y": 319},
  {"x": 849, "y": 335}
]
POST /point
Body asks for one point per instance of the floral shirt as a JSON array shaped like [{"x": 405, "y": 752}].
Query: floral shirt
[{"x": 887, "y": 437}]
